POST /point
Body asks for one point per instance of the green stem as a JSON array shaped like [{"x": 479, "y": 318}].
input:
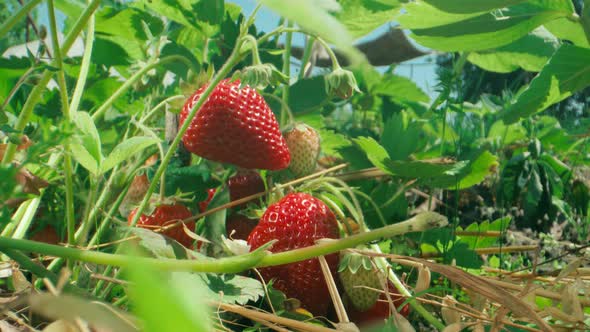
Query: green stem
[
  {"x": 306, "y": 55},
  {"x": 335, "y": 63},
  {"x": 63, "y": 92},
  {"x": 27, "y": 264},
  {"x": 254, "y": 44},
  {"x": 286, "y": 71},
  {"x": 421, "y": 222},
  {"x": 233, "y": 264},
  {"x": 16, "y": 17},
  {"x": 223, "y": 71},
  {"x": 84, "y": 67},
  {"x": 16, "y": 218},
  {"x": 134, "y": 78},
  {"x": 37, "y": 91}
]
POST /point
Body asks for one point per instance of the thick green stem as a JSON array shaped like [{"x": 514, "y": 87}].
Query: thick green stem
[
  {"x": 254, "y": 44},
  {"x": 421, "y": 222},
  {"x": 16, "y": 17},
  {"x": 16, "y": 218},
  {"x": 27, "y": 264},
  {"x": 286, "y": 71},
  {"x": 37, "y": 91},
  {"x": 134, "y": 78},
  {"x": 233, "y": 264}
]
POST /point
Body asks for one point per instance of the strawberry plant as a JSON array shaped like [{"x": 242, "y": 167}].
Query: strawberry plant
[{"x": 294, "y": 165}]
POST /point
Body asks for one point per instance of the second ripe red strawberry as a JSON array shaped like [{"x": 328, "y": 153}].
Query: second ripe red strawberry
[
  {"x": 297, "y": 221},
  {"x": 164, "y": 215}
]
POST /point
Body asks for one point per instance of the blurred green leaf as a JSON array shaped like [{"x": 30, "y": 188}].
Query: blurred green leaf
[
  {"x": 477, "y": 170},
  {"x": 489, "y": 30},
  {"x": 375, "y": 152},
  {"x": 84, "y": 158},
  {"x": 168, "y": 302},
  {"x": 314, "y": 17},
  {"x": 530, "y": 53},
  {"x": 566, "y": 29},
  {"x": 567, "y": 72},
  {"x": 361, "y": 17},
  {"x": 469, "y": 6}
]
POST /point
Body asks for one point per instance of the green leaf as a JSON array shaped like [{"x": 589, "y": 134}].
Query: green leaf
[
  {"x": 375, "y": 152},
  {"x": 565, "y": 29},
  {"x": 89, "y": 136},
  {"x": 215, "y": 223},
  {"x": 84, "y": 158},
  {"x": 127, "y": 23},
  {"x": 399, "y": 88},
  {"x": 361, "y": 17},
  {"x": 182, "y": 11},
  {"x": 231, "y": 288},
  {"x": 507, "y": 134},
  {"x": 157, "y": 244},
  {"x": 478, "y": 169},
  {"x": 530, "y": 53},
  {"x": 567, "y": 72},
  {"x": 490, "y": 30},
  {"x": 470, "y": 6},
  {"x": 108, "y": 53},
  {"x": 307, "y": 94},
  {"x": 314, "y": 17},
  {"x": 425, "y": 170},
  {"x": 400, "y": 137},
  {"x": 420, "y": 15},
  {"x": 125, "y": 150},
  {"x": 172, "y": 302}
]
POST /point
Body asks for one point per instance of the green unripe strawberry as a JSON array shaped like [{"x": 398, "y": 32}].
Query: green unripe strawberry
[
  {"x": 304, "y": 145},
  {"x": 357, "y": 275}
]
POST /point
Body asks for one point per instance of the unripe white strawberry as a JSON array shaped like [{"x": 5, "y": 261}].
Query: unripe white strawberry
[
  {"x": 304, "y": 145},
  {"x": 358, "y": 276}
]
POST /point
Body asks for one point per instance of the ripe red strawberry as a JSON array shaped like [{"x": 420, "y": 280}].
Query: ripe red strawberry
[
  {"x": 304, "y": 145},
  {"x": 380, "y": 311},
  {"x": 235, "y": 126},
  {"x": 164, "y": 215},
  {"x": 204, "y": 204},
  {"x": 241, "y": 224},
  {"x": 297, "y": 221},
  {"x": 244, "y": 184}
]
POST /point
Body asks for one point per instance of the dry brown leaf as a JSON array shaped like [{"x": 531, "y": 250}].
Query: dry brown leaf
[
  {"x": 6, "y": 327},
  {"x": 423, "y": 282},
  {"x": 487, "y": 289},
  {"x": 61, "y": 326},
  {"x": 455, "y": 327},
  {"x": 449, "y": 310}
]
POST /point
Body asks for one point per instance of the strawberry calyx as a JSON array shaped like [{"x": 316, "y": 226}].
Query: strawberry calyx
[
  {"x": 342, "y": 83},
  {"x": 259, "y": 76}
]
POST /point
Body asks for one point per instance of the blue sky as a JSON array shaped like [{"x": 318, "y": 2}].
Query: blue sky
[{"x": 420, "y": 70}]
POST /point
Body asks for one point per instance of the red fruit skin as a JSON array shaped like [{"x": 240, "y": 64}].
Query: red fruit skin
[
  {"x": 297, "y": 221},
  {"x": 244, "y": 184},
  {"x": 164, "y": 215},
  {"x": 235, "y": 126},
  {"x": 380, "y": 311},
  {"x": 204, "y": 204},
  {"x": 242, "y": 226}
]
